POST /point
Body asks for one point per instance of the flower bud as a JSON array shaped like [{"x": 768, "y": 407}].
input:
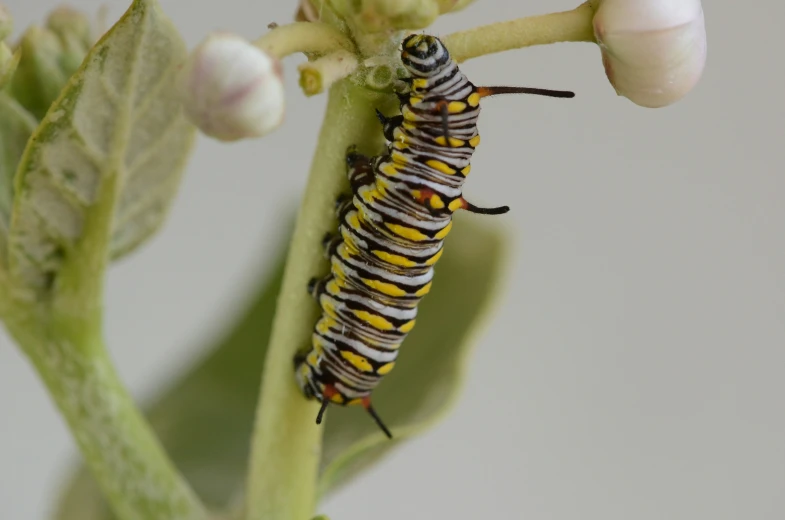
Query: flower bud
[
  {"x": 75, "y": 33},
  {"x": 41, "y": 73},
  {"x": 380, "y": 16},
  {"x": 654, "y": 51},
  {"x": 8, "y": 63},
  {"x": 449, "y": 6},
  {"x": 6, "y": 23},
  {"x": 231, "y": 89},
  {"x": 8, "y": 59},
  {"x": 49, "y": 56}
]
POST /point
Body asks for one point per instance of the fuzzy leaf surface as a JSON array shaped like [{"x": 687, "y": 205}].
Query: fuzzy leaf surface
[{"x": 205, "y": 419}]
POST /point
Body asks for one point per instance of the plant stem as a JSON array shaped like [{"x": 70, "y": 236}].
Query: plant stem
[
  {"x": 77, "y": 301},
  {"x": 315, "y": 37},
  {"x": 126, "y": 459},
  {"x": 566, "y": 26},
  {"x": 318, "y": 75},
  {"x": 286, "y": 443}
]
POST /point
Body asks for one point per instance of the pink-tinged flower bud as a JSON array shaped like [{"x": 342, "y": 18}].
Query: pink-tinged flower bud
[
  {"x": 231, "y": 89},
  {"x": 654, "y": 51}
]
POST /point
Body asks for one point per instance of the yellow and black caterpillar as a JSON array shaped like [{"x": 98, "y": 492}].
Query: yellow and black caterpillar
[{"x": 392, "y": 230}]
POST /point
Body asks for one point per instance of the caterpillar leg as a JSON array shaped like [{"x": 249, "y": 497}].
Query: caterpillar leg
[
  {"x": 330, "y": 243},
  {"x": 343, "y": 203},
  {"x": 316, "y": 286},
  {"x": 359, "y": 169}
]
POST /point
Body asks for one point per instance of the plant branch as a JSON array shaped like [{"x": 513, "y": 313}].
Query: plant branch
[
  {"x": 286, "y": 443},
  {"x": 318, "y": 75},
  {"x": 126, "y": 459},
  {"x": 306, "y": 37},
  {"x": 77, "y": 301},
  {"x": 566, "y": 26}
]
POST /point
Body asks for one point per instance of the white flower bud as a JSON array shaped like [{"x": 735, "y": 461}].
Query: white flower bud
[
  {"x": 654, "y": 51},
  {"x": 231, "y": 89}
]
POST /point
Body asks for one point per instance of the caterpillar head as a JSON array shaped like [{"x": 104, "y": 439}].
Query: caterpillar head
[{"x": 423, "y": 55}]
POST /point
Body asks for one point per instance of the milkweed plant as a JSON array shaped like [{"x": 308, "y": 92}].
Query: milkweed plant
[{"x": 95, "y": 133}]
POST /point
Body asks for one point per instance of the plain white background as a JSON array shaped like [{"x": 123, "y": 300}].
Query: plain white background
[{"x": 635, "y": 367}]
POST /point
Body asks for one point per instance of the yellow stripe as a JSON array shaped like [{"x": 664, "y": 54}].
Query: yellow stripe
[
  {"x": 406, "y": 232},
  {"x": 436, "y": 202},
  {"x": 435, "y": 258},
  {"x": 440, "y": 166},
  {"x": 324, "y": 324},
  {"x": 456, "y": 107},
  {"x": 357, "y": 361},
  {"x": 420, "y": 83},
  {"x": 425, "y": 290},
  {"x": 374, "y": 320},
  {"x": 354, "y": 221},
  {"x": 473, "y": 99},
  {"x": 384, "y": 287},
  {"x": 474, "y": 141},
  {"x": 443, "y": 233},
  {"x": 466, "y": 170},
  {"x": 393, "y": 259},
  {"x": 454, "y": 141},
  {"x": 368, "y": 194},
  {"x": 407, "y": 327},
  {"x": 398, "y": 157},
  {"x": 329, "y": 309},
  {"x": 455, "y": 205},
  {"x": 385, "y": 369}
]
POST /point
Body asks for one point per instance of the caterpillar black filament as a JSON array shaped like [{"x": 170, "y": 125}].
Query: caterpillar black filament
[{"x": 392, "y": 230}]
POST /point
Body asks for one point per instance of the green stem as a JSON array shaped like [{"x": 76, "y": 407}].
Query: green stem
[
  {"x": 566, "y": 26},
  {"x": 318, "y": 75},
  {"x": 286, "y": 443},
  {"x": 311, "y": 37},
  {"x": 124, "y": 455},
  {"x": 77, "y": 301}
]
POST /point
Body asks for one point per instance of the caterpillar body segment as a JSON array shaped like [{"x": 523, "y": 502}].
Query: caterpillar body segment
[{"x": 392, "y": 230}]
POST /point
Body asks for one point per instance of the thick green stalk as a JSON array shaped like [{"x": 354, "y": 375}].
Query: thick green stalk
[
  {"x": 307, "y": 37},
  {"x": 286, "y": 442},
  {"x": 124, "y": 455},
  {"x": 568, "y": 26}
]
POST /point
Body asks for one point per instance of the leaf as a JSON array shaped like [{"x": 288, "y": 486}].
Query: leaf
[
  {"x": 16, "y": 126},
  {"x": 108, "y": 156},
  {"x": 205, "y": 419}
]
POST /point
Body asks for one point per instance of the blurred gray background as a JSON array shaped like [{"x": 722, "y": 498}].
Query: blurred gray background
[{"x": 635, "y": 367}]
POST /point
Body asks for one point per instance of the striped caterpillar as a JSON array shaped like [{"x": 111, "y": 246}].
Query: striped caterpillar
[{"x": 392, "y": 229}]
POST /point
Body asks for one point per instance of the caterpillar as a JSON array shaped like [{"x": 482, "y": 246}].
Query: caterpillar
[{"x": 392, "y": 228}]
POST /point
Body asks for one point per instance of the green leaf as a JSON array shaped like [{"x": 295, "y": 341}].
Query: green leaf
[
  {"x": 101, "y": 170},
  {"x": 16, "y": 126},
  {"x": 205, "y": 419}
]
